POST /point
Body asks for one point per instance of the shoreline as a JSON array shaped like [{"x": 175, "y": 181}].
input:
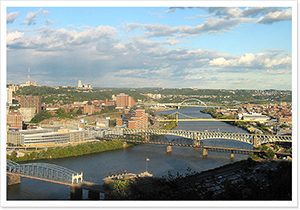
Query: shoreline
[
  {"x": 213, "y": 114},
  {"x": 70, "y": 151}
]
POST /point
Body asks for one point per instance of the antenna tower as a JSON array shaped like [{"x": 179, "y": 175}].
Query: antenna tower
[{"x": 28, "y": 75}]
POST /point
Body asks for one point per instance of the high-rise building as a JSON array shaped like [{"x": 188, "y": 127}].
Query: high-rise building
[
  {"x": 79, "y": 84},
  {"x": 15, "y": 119},
  {"x": 124, "y": 100},
  {"x": 31, "y": 102},
  {"x": 9, "y": 95}
]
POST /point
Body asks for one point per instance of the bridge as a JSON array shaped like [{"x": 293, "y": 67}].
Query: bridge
[
  {"x": 193, "y": 138},
  {"x": 187, "y": 103},
  {"x": 198, "y": 136},
  {"x": 55, "y": 174},
  {"x": 176, "y": 114}
]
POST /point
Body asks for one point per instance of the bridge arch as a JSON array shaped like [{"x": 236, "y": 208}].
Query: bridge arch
[{"x": 192, "y": 99}]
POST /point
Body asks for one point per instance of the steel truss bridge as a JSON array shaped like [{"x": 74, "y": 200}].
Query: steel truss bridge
[
  {"x": 53, "y": 173},
  {"x": 193, "y": 138},
  {"x": 44, "y": 171}
]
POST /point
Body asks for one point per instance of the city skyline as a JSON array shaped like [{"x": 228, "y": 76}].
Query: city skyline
[{"x": 171, "y": 47}]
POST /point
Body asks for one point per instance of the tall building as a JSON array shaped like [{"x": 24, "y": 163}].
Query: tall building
[
  {"x": 9, "y": 95},
  {"x": 31, "y": 102},
  {"x": 124, "y": 101},
  {"x": 79, "y": 84},
  {"x": 14, "y": 119}
]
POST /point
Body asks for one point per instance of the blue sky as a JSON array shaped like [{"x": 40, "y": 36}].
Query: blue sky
[{"x": 203, "y": 47}]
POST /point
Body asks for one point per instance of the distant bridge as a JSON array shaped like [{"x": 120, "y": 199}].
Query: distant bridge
[
  {"x": 198, "y": 136},
  {"x": 190, "y": 118},
  {"x": 52, "y": 173}
]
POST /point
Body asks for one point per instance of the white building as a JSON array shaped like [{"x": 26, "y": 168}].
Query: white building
[
  {"x": 9, "y": 95},
  {"x": 45, "y": 137}
]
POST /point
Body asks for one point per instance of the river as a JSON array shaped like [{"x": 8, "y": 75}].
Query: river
[{"x": 95, "y": 167}]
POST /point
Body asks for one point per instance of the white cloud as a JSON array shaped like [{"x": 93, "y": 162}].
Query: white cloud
[
  {"x": 212, "y": 25},
  {"x": 11, "y": 17},
  {"x": 31, "y": 17},
  {"x": 257, "y": 61},
  {"x": 276, "y": 16},
  {"x": 13, "y": 37}
]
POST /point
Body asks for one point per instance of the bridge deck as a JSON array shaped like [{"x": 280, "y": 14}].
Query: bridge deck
[{"x": 83, "y": 185}]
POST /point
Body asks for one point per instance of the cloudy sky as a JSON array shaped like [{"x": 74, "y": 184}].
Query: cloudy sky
[{"x": 203, "y": 47}]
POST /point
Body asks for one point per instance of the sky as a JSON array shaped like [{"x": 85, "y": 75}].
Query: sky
[{"x": 171, "y": 47}]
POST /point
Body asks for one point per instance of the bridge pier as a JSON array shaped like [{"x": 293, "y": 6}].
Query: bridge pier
[
  {"x": 94, "y": 195},
  {"x": 255, "y": 141},
  {"x": 124, "y": 144},
  {"x": 205, "y": 153},
  {"x": 169, "y": 148},
  {"x": 12, "y": 179},
  {"x": 75, "y": 193}
]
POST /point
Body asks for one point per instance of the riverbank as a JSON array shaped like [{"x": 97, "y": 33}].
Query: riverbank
[
  {"x": 170, "y": 125},
  {"x": 69, "y": 151},
  {"x": 212, "y": 112}
]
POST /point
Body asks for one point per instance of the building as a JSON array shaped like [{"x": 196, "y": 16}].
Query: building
[
  {"x": 133, "y": 118},
  {"x": 254, "y": 116},
  {"x": 31, "y": 102},
  {"x": 124, "y": 101},
  {"x": 14, "y": 88},
  {"x": 9, "y": 96},
  {"x": 14, "y": 119},
  {"x": 87, "y": 86},
  {"x": 44, "y": 137},
  {"x": 103, "y": 122},
  {"x": 27, "y": 113},
  {"x": 17, "y": 137},
  {"x": 285, "y": 120},
  {"x": 77, "y": 136},
  {"x": 88, "y": 108},
  {"x": 79, "y": 84}
]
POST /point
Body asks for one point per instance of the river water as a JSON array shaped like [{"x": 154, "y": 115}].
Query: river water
[{"x": 95, "y": 167}]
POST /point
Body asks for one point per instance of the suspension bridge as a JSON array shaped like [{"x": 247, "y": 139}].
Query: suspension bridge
[{"x": 55, "y": 174}]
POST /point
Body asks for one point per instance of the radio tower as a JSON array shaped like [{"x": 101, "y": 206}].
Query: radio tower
[{"x": 28, "y": 76}]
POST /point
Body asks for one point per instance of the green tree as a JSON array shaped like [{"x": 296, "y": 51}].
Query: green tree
[
  {"x": 79, "y": 112},
  {"x": 44, "y": 114},
  {"x": 270, "y": 154}
]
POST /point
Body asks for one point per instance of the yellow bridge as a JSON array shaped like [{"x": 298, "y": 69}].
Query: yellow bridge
[
  {"x": 208, "y": 120},
  {"x": 200, "y": 119}
]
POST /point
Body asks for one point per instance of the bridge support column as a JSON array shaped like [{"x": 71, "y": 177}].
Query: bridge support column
[
  {"x": 169, "y": 148},
  {"x": 255, "y": 141},
  {"x": 231, "y": 156},
  {"x": 94, "y": 195},
  {"x": 205, "y": 153},
  {"x": 147, "y": 138},
  {"x": 124, "y": 144},
  {"x": 12, "y": 179},
  {"x": 75, "y": 193}
]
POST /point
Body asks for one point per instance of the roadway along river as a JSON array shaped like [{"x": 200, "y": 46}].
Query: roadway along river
[{"x": 97, "y": 166}]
